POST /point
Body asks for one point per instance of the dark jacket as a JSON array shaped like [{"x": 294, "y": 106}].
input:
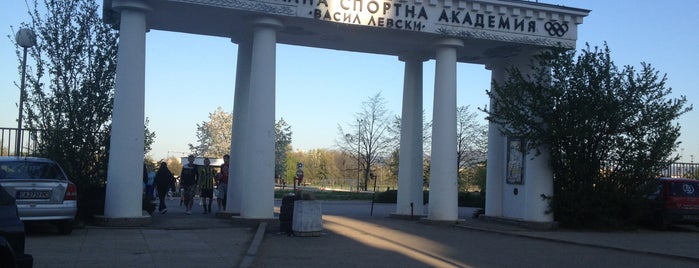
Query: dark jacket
[
  {"x": 188, "y": 176},
  {"x": 164, "y": 178}
]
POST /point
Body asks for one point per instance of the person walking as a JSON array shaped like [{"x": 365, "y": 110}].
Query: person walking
[
  {"x": 206, "y": 184},
  {"x": 188, "y": 181},
  {"x": 222, "y": 187},
  {"x": 163, "y": 181}
]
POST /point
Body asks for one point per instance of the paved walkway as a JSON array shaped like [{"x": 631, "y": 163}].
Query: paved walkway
[{"x": 351, "y": 238}]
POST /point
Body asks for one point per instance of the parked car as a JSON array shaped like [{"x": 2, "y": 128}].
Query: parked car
[
  {"x": 11, "y": 234},
  {"x": 41, "y": 189},
  {"x": 672, "y": 201}
]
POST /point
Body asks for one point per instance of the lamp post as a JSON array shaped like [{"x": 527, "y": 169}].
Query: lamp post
[
  {"x": 25, "y": 38},
  {"x": 373, "y": 195},
  {"x": 359, "y": 144}
]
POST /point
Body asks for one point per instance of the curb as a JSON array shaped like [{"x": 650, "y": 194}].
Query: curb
[
  {"x": 249, "y": 257},
  {"x": 557, "y": 240}
]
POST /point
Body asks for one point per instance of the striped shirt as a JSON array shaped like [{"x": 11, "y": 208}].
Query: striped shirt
[{"x": 206, "y": 177}]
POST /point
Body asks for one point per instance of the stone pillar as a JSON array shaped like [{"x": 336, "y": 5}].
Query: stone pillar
[
  {"x": 125, "y": 171},
  {"x": 501, "y": 201},
  {"x": 410, "y": 166},
  {"x": 240, "y": 122},
  {"x": 538, "y": 173},
  {"x": 257, "y": 197},
  {"x": 495, "y": 171},
  {"x": 443, "y": 200},
  {"x": 540, "y": 182}
]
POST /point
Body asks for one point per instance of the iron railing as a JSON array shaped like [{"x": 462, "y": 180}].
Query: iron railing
[
  {"x": 28, "y": 141},
  {"x": 31, "y": 138},
  {"x": 682, "y": 170}
]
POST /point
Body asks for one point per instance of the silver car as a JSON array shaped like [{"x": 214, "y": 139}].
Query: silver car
[{"x": 42, "y": 190}]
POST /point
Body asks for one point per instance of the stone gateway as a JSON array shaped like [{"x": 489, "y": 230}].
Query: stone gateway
[{"x": 495, "y": 33}]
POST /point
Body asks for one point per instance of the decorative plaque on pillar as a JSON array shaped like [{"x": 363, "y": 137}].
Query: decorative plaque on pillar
[{"x": 515, "y": 161}]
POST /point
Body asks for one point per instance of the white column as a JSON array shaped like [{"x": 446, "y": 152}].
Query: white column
[
  {"x": 539, "y": 181},
  {"x": 240, "y": 123},
  {"x": 125, "y": 170},
  {"x": 443, "y": 205},
  {"x": 258, "y": 184},
  {"x": 495, "y": 173},
  {"x": 538, "y": 173},
  {"x": 410, "y": 165}
]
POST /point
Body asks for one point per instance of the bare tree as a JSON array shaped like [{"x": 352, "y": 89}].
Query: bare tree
[
  {"x": 472, "y": 141},
  {"x": 369, "y": 138},
  {"x": 393, "y": 159}
]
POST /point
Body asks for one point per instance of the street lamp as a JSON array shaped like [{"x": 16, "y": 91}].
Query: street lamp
[
  {"x": 25, "y": 38},
  {"x": 359, "y": 144}
]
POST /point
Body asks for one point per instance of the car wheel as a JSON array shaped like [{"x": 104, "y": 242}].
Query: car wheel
[{"x": 65, "y": 227}]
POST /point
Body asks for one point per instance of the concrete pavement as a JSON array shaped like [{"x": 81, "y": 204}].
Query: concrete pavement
[{"x": 352, "y": 238}]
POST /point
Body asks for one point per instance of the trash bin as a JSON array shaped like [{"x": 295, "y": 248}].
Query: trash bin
[{"x": 286, "y": 213}]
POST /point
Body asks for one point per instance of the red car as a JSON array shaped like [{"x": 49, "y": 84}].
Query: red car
[{"x": 673, "y": 201}]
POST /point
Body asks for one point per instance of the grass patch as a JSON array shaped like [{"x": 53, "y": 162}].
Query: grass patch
[
  {"x": 327, "y": 195},
  {"x": 465, "y": 199}
]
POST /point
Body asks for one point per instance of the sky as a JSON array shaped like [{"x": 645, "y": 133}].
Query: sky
[{"x": 190, "y": 76}]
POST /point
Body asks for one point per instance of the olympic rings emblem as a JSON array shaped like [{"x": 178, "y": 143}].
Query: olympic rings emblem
[
  {"x": 689, "y": 189},
  {"x": 555, "y": 28}
]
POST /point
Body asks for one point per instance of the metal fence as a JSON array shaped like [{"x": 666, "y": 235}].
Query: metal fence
[
  {"x": 29, "y": 140},
  {"x": 10, "y": 138},
  {"x": 682, "y": 170}
]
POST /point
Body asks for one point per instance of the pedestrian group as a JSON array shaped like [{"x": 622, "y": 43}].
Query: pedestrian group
[{"x": 194, "y": 179}]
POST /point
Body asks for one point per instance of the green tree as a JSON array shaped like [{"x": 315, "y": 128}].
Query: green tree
[
  {"x": 214, "y": 136},
  {"x": 149, "y": 138},
  {"x": 369, "y": 138},
  {"x": 318, "y": 166},
  {"x": 71, "y": 87},
  {"x": 607, "y": 129},
  {"x": 393, "y": 160},
  {"x": 282, "y": 145},
  {"x": 291, "y": 159},
  {"x": 392, "y": 164}
]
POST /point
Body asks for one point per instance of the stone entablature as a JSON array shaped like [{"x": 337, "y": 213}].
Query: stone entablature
[{"x": 522, "y": 22}]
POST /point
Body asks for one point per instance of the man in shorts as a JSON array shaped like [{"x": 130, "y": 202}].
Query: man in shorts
[
  {"x": 206, "y": 184},
  {"x": 188, "y": 182},
  {"x": 223, "y": 184}
]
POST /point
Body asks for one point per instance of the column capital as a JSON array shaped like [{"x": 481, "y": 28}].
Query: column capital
[
  {"x": 497, "y": 63},
  {"x": 449, "y": 42},
  {"x": 413, "y": 56},
  {"x": 245, "y": 38},
  {"x": 268, "y": 22},
  {"x": 119, "y": 5}
]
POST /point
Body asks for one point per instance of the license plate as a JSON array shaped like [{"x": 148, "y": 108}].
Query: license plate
[{"x": 33, "y": 194}]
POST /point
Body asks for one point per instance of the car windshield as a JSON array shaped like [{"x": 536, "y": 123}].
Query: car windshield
[
  {"x": 684, "y": 188},
  {"x": 30, "y": 170}
]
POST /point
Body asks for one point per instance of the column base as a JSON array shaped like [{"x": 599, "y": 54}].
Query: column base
[
  {"x": 534, "y": 225},
  {"x": 101, "y": 220},
  {"x": 226, "y": 214},
  {"x": 442, "y": 222},
  {"x": 413, "y": 217}
]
